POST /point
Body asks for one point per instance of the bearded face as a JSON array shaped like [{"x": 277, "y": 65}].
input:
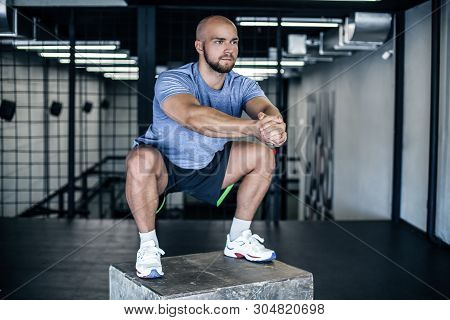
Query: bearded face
[{"x": 219, "y": 61}]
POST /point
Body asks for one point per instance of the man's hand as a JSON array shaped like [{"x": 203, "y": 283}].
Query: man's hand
[{"x": 272, "y": 129}]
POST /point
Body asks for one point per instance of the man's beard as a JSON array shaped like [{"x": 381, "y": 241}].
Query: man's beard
[{"x": 216, "y": 66}]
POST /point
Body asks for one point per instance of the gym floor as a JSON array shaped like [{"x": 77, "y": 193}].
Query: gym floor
[{"x": 61, "y": 259}]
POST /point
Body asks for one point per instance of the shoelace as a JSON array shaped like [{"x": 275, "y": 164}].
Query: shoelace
[
  {"x": 154, "y": 250},
  {"x": 258, "y": 239}
]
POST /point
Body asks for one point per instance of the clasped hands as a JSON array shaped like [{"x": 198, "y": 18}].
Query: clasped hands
[{"x": 271, "y": 129}]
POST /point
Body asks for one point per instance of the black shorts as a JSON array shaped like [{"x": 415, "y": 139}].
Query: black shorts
[{"x": 204, "y": 184}]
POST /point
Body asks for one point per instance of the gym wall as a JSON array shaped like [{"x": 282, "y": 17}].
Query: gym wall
[
  {"x": 443, "y": 199},
  {"x": 416, "y": 130},
  {"x": 363, "y": 90},
  {"x": 33, "y": 149}
]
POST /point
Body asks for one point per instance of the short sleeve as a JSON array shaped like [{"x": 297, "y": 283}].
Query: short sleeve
[
  {"x": 172, "y": 83},
  {"x": 251, "y": 89}
]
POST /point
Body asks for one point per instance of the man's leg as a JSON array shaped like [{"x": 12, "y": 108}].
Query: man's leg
[
  {"x": 146, "y": 180},
  {"x": 255, "y": 162}
]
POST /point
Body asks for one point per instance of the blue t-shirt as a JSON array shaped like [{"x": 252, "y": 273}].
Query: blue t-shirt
[{"x": 182, "y": 146}]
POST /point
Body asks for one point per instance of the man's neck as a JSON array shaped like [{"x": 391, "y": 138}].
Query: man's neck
[{"x": 212, "y": 78}]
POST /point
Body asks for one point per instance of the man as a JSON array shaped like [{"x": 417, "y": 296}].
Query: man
[{"x": 197, "y": 109}]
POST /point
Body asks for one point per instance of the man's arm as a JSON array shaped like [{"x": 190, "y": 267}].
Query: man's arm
[
  {"x": 274, "y": 130},
  {"x": 186, "y": 110},
  {"x": 261, "y": 104}
]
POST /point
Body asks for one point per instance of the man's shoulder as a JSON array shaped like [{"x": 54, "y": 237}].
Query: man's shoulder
[
  {"x": 239, "y": 80},
  {"x": 185, "y": 70},
  {"x": 181, "y": 76}
]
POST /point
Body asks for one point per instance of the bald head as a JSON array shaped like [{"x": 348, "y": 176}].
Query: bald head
[
  {"x": 217, "y": 44},
  {"x": 211, "y": 23}
]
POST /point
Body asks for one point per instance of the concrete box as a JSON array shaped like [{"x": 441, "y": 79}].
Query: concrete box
[{"x": 212, "y": 276}]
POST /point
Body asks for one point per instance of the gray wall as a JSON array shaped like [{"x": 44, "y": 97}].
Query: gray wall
[
  {"x": 417, "y": 120},
  {"x": 23, "y": 158},
  {"x": 416, "y": 115},
  {"x": 443, "y": 202},
  {"x": 363, "y": 85},
  {"x": 364, "y": 127}
]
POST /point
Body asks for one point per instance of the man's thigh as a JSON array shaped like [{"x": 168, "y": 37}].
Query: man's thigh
[
  {"x": 151, "y": 158},
  {"x": 244, "y": 157}
]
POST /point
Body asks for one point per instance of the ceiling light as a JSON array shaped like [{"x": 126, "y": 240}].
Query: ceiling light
[
  {"x": 84, "y": 55},
  {"x": 122, "y": 76},
  {"x": 258, "y": 24},
  {"x": 112, "y": 69},
  {"x": 289, "y": 22},
  {"x": 100, "y": 61},
  {"x": 66, "y": 47},
  {"x": 310, "y": 24},
  {"x": 249, "y": 62},
  {"x": 292, "y": 63},
  {"x": 256, "y": 70},
  {"x": 268, "y": 63},
  {"x": 258, "y": 78},
  {"x": 96, "y": 47}
]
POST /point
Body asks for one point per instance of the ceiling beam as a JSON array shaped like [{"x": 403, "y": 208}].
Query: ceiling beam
[{"x": 69, "y": 3}]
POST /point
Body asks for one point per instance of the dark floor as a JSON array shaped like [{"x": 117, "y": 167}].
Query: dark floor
[{"x": 343, "y": 267}]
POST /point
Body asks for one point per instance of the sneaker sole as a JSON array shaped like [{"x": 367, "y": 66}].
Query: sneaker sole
[
  {"x": 237, "y": 255},
  {"x": 153, "y": 274}
]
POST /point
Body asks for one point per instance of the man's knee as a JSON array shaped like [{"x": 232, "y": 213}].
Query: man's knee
[
  {"x": 143, "y": 160},
  {"x": 265, "y": 159}
]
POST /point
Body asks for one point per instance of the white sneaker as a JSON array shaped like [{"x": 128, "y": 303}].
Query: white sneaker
[
  {"x": 148, "y": 261},
  {"x": 248, "y": 246}
]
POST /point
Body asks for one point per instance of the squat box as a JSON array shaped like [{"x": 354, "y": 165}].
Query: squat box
[{"x": 212, "y": 276}]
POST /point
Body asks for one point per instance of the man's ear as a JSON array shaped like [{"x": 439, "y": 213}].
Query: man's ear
[{"x": 199, "y": 46}]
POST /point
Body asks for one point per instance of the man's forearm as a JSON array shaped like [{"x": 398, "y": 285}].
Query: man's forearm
[
  {"x": 272, "y": 111},
  {"x": 217, "y": 124}
]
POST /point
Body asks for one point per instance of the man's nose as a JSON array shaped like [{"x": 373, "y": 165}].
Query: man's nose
[{"x": 228, "y": 48}]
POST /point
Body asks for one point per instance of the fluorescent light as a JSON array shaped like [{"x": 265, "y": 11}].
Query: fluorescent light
[
  {"x": 96, "y": 47},
  {"x": 115, "y": 55},
  {"x": 55, "y": 54},
  {"x": 84, "y": 55},
  {"x": 287, "y": 63},
  {"x": 257, "y": 24},
  {"x": 100, "y": 61},
  {"x": 18, "y": 42},
  {"x": 112, "y": 69},
  {"x": 289, "y": 22},
  {"x": 310, "y": 24},
  {"x": 292, "y": 63},
  {"x": 241, "y": 62},
  {"x": 261, "y": 19},
  {"x": 256, "y": 70},
  {"x": 35, "y": 47},
  {"x": 66, "y": 48},
  {"x": 258, "y": 78},
  {"x": 122, "y": 76}
]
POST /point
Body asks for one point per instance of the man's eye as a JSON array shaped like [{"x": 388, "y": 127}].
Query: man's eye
[{"x": 219, "y": 41}]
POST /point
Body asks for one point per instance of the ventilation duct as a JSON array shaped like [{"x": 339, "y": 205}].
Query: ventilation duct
[
  {"x": 8, "y": 20},
  {"x": 361, "y": 31},
  {"x": 367, "y": 27},
  {"x": 15, "y": 25},
  {"x": 328, "y": 44},
  {"x": 297, "y": 44}
]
